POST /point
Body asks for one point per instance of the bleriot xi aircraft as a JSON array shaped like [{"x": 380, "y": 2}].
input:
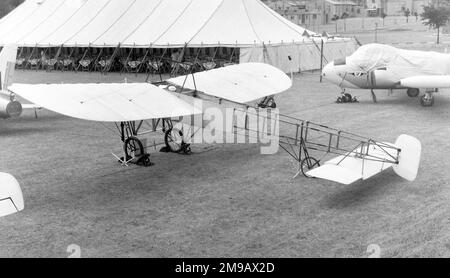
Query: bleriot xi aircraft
[
  {"x": 377, "y": 66},
  {"x": 9, "y": 106},
  {"x": 181, "y": 108}
]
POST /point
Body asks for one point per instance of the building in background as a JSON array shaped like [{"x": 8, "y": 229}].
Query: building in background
[
  {"x": 317, "y": 12},
  {"x": 397, "y": 7}
]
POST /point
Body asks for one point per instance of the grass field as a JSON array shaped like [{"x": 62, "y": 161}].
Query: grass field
[{"x": 226, "y": 200}]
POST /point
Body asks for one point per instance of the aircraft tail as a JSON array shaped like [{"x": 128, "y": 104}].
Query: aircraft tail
[
  {"x": 8, "y": 57},
  {"x": 410, "y": 155}
]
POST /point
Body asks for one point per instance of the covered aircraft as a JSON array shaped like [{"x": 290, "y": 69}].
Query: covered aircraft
[{"x": 377, "y": 66}]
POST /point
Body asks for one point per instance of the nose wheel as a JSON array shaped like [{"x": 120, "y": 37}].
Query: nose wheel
[
  {"x": 346, "y": 98},
  {"x": 427, "y": 100}
]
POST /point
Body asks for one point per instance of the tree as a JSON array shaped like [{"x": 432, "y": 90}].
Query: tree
[
  {"x": 383, "y": 16},
  {"x": 435, "y": 18},
  {"x": 407, "y": 13}
]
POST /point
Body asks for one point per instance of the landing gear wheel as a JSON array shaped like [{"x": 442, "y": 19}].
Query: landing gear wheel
[
  {"x": 133, "y": 148},
  {"x": 347, "y": 98},
  {"x": 308, "y": 164},
  {"x": 175, "y": 142},
  {"x": 271, "y": 103},
  {"x": 268, "y": 102},
  {"x": 427, "y": 101},
  {"x": 145, "y": 161},
  {"x": 413, "y": 92}
]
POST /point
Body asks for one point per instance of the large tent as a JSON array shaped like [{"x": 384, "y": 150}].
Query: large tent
[{"x": 260, "y": 33}]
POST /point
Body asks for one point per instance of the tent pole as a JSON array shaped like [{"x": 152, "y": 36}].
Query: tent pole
[
  {"x": 32, "y": 53},
  {"x": 321, "y": 60},
  {"x": 125, "y": 65},
  {"x": 113, "y": 57},
  {"x": 82, "y": 58},
  {"x": 97, "y": 59},
  {"x": 143, "y": 60}
]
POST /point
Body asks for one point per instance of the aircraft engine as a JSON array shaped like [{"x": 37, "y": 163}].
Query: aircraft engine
[
  {"x": 9, "y": 108},
  {"x": 383, "y": 79}
]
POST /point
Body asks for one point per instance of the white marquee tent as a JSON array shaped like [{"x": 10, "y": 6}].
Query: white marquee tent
[{"x": 259, "y": 32}]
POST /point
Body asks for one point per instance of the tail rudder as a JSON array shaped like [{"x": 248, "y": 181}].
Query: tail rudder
[
  {"x": 409, "y": 161},
  {"x": 8, "y": 57}
]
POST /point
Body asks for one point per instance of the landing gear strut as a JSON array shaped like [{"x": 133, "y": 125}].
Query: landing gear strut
[{"x": 374, "y": 96}]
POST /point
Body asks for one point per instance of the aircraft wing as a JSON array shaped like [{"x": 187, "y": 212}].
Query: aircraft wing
[
  {"x": 241, "y": 83},
  {"x": 30, "y": 106},
  {"x": 106, "y": 102},
  {"x": 426, "y": 81}
]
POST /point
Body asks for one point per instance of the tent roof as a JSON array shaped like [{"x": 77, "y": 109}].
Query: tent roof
[{"x": 145, "y": 23}]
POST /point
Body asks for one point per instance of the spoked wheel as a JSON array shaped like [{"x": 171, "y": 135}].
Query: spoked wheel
[
  {"x": 427, "y": 101},
  {"x": 175, "y": 142},
  {"x": 133, "y": 148},
  {"x": 308, "y": 164},
  {"x": 268, "y": 102}
]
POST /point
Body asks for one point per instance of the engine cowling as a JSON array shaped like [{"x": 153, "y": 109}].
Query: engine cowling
[
  {"x": 383, "y": 79},
  {"x": 9, "y": 108}
]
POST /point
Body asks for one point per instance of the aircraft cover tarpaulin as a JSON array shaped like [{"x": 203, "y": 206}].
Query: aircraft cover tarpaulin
[
  {"x": 147, "y": 23},
  {"x": 402, "y": 63}
]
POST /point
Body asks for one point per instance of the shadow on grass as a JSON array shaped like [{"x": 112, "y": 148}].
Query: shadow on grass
[
  {"x": 14, "y": 131},
  {"x": 362, "y": 192}
]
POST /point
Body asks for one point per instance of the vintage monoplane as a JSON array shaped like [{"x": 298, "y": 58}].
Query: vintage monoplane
[
  {"x": 377, "y": 66},
  {"x": 176, "y": 105}
]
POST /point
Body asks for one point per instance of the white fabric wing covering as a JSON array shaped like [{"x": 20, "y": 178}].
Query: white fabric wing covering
[
  {"x": 242, "y": 83},
  {"x": 106, "y": 102},
  {"x": 350, "y": 168}
]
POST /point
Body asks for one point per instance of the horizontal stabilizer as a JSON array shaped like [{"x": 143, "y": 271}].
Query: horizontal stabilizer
[
  {"x": 30, "y": 106},
  {"x": 241, "y": 83},
  {"x": 426, "y": 81},
  {"x": 363, "y": 163},
  {"x": 335, "y": 173},
  {"x": 106, "y": 102}
]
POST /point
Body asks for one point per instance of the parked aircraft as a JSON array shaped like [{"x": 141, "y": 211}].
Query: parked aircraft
[{"x": 377, "y": 66}]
